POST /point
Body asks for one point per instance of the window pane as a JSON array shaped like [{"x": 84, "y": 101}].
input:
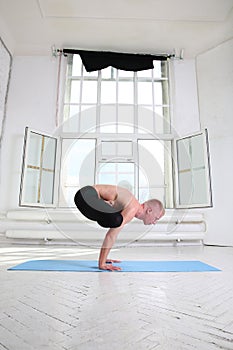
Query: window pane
[
  {"x": 71, "y": 111},
  {"x": 145, "y": 119},
  {"x": 108, "y": 118},
  {"x": 125, "y": 148},
  {"x": 125, "y": 74},
  {"x": 126, "y": 119},
  {"x": 198, "y": 159},
  {"x": 151, "y": 163},
  {"x": 158, "y": 95},
  {"x": 77, "y": 64},
  {"x": 77, "y": 167},
  {"x": 108, "y": 73},
  {"x": 75, "y": 92},
  {"x": 154, "y": 148},
  {"x": 108, "y": 149},
  {"x": 200, "y": 187},
  {"x": 88, "y": 119},
  {"x": 49, "y": 153},
  {"x": 34, "y": 149},
  {"x": 155, "y": 171},
  {"x": 121, "y": 174},
  {"x": 108, "y": 92},
  {"x": 47, "y": 186},
  {"x": 126, "y": 168},
  {"x": 157, "y": 69},
  {"x": 117, "y": 148},
  {"x": 183, "y": 154},
  {"x": 143, "y": 194},
  {"x": 107, "y": 167},
  {"x": 158, "y": 193},
  {"x": 126, "y": 176},
  {"x": 145, "y": 93},
  {"x": 185, "y": 188},
  {"x": 89, "y": 92},
  {"x": 126, "y": 92},
  {"x": 71, "y": 118},
  {"x": 31, "y": 183},
  {"x": 106, "y": 173},
  {"x": 126, "y": 181},
  {"x": 145, "y": 73},
  {"x": 104, "y": 178}
]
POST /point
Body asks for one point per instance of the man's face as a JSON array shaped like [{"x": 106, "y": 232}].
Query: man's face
[{"x": 152, "y": 216}]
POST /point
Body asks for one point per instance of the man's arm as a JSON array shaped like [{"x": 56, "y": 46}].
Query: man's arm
[
  {"x": 128, "y": 214},
  {"x": 106, "y": 192},
  {"x": 108, "y": 242}
]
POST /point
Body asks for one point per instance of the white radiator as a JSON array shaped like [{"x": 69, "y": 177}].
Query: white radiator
[{"x": 70, "y": 225}]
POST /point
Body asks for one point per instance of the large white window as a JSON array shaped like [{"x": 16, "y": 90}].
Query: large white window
[{"x": 122, "y": 112}]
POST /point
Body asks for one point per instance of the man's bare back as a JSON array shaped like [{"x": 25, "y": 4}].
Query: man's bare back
[{"x": 118, "y": 197}]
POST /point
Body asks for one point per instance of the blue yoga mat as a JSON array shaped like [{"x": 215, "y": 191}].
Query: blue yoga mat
[{"x": 127, "y": 266}]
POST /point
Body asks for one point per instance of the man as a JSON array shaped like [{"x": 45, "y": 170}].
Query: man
[{"x": 113, "y": 207}]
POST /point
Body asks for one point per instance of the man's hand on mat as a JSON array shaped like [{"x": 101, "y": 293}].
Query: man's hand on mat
[{"x": 110, "y": 267}]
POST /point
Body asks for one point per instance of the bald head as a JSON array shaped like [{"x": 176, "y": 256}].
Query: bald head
[
  {"x": 157, "y": 204},
  {"x": 153, "y": 210}
]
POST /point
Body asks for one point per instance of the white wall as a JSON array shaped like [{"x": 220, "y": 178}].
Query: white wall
[
  {"x": 31, "y": 102},
  {"x": 6, "y": 36},
  {"x": 185, "y": 98},
  {"x": 215, "y": 86}
]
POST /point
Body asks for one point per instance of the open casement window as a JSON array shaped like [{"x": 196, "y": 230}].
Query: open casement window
[
  {"x": 38, "y": 170},
  {"x": 192, "y": 171}
]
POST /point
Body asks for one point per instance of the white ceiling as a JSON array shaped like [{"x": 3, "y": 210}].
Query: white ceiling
[{"x": 140, "y": 26}]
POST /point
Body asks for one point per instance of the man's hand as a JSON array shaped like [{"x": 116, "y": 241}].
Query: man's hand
[{"x": 109, "y": 266}]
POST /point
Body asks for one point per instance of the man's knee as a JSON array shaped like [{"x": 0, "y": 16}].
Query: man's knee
[
  {"x": 95, "y": 208},
  {"x": 111, "y": 220}
]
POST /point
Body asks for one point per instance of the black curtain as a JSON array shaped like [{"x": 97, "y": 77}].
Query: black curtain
[{"x": 97, "y": 60}]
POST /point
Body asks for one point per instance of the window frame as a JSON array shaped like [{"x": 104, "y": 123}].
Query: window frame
[
  {"x": 27, "y": 139},
  {"x": 207, "y": 168}
]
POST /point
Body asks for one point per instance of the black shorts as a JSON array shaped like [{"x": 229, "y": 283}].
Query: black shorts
[{"x": 96, "y": 209}]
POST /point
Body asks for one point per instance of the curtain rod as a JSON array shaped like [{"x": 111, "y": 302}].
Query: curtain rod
[
  {"x": 161, "y": 56},
  {"x": 98, "y": 60}
]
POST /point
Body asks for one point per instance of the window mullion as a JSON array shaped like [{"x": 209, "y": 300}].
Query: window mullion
[
  {"x": 153, "y": 102},
  {"x": 80, "y": 99},
  {"x": 98, "y": 107},
  {"x": 135, "y": 103},
  {"x": 117, "y": 99}
]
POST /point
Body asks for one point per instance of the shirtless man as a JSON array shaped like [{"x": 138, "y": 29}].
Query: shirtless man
[{"x": 113, "y": 207}]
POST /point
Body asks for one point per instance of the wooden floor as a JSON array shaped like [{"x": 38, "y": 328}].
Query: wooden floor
[{"x": 75, "y": 311}]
